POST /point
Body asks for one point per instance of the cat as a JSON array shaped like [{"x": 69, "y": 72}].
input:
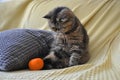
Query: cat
[{"x": 70, "y": 45}]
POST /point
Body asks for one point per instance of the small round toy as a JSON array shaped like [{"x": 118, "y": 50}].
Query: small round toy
[{"x": 36, "y": 64}]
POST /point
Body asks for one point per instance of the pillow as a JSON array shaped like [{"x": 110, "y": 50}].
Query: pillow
[{"x": 19, "y": 46}]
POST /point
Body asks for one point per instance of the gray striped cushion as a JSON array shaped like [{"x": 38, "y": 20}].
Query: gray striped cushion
[{"x": 18, "y": 46}]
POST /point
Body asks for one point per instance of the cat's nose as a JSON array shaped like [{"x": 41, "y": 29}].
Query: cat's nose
[{"x": 58, "y": 27}]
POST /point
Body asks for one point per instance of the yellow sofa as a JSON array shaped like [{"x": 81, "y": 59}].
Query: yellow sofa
[{"x": 101, "y": 19}]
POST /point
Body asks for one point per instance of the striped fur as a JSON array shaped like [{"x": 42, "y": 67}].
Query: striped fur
[{"x": 70, "y": 45}]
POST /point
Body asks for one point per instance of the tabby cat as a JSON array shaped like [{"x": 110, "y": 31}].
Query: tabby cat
[{"x": 70, "y": 45}]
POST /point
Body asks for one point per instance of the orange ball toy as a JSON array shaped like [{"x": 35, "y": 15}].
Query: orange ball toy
[{"x": 36, "y": 64}]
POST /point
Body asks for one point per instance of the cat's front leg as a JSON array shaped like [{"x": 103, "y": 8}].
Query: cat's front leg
[
  {"x": 79, "y": 57},
  {"x": 52, "y": 59},
  {"x": 74, "y": 59},
  {"x": 75, "y": 55}
]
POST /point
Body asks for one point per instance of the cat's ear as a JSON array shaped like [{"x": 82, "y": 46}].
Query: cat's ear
[{"x": 48, "y": 16}]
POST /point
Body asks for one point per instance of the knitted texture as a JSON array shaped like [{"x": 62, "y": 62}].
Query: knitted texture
[{"x": 19, "y": 46}]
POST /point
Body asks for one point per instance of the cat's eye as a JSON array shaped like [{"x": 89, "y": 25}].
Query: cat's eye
[{"x": 63, "y": 19}]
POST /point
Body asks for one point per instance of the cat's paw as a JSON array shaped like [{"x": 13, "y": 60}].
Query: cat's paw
[
  {"x": 51, "y": 56},
  {"x": 74, "y": 59},
  {"x": 73, "y": 62}
]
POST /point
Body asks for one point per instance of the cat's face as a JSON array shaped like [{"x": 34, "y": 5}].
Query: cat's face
[{"x": 60, "y": 19}]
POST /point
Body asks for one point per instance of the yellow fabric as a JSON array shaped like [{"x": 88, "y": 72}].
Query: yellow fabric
[{"x": 101, "y": 18}]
